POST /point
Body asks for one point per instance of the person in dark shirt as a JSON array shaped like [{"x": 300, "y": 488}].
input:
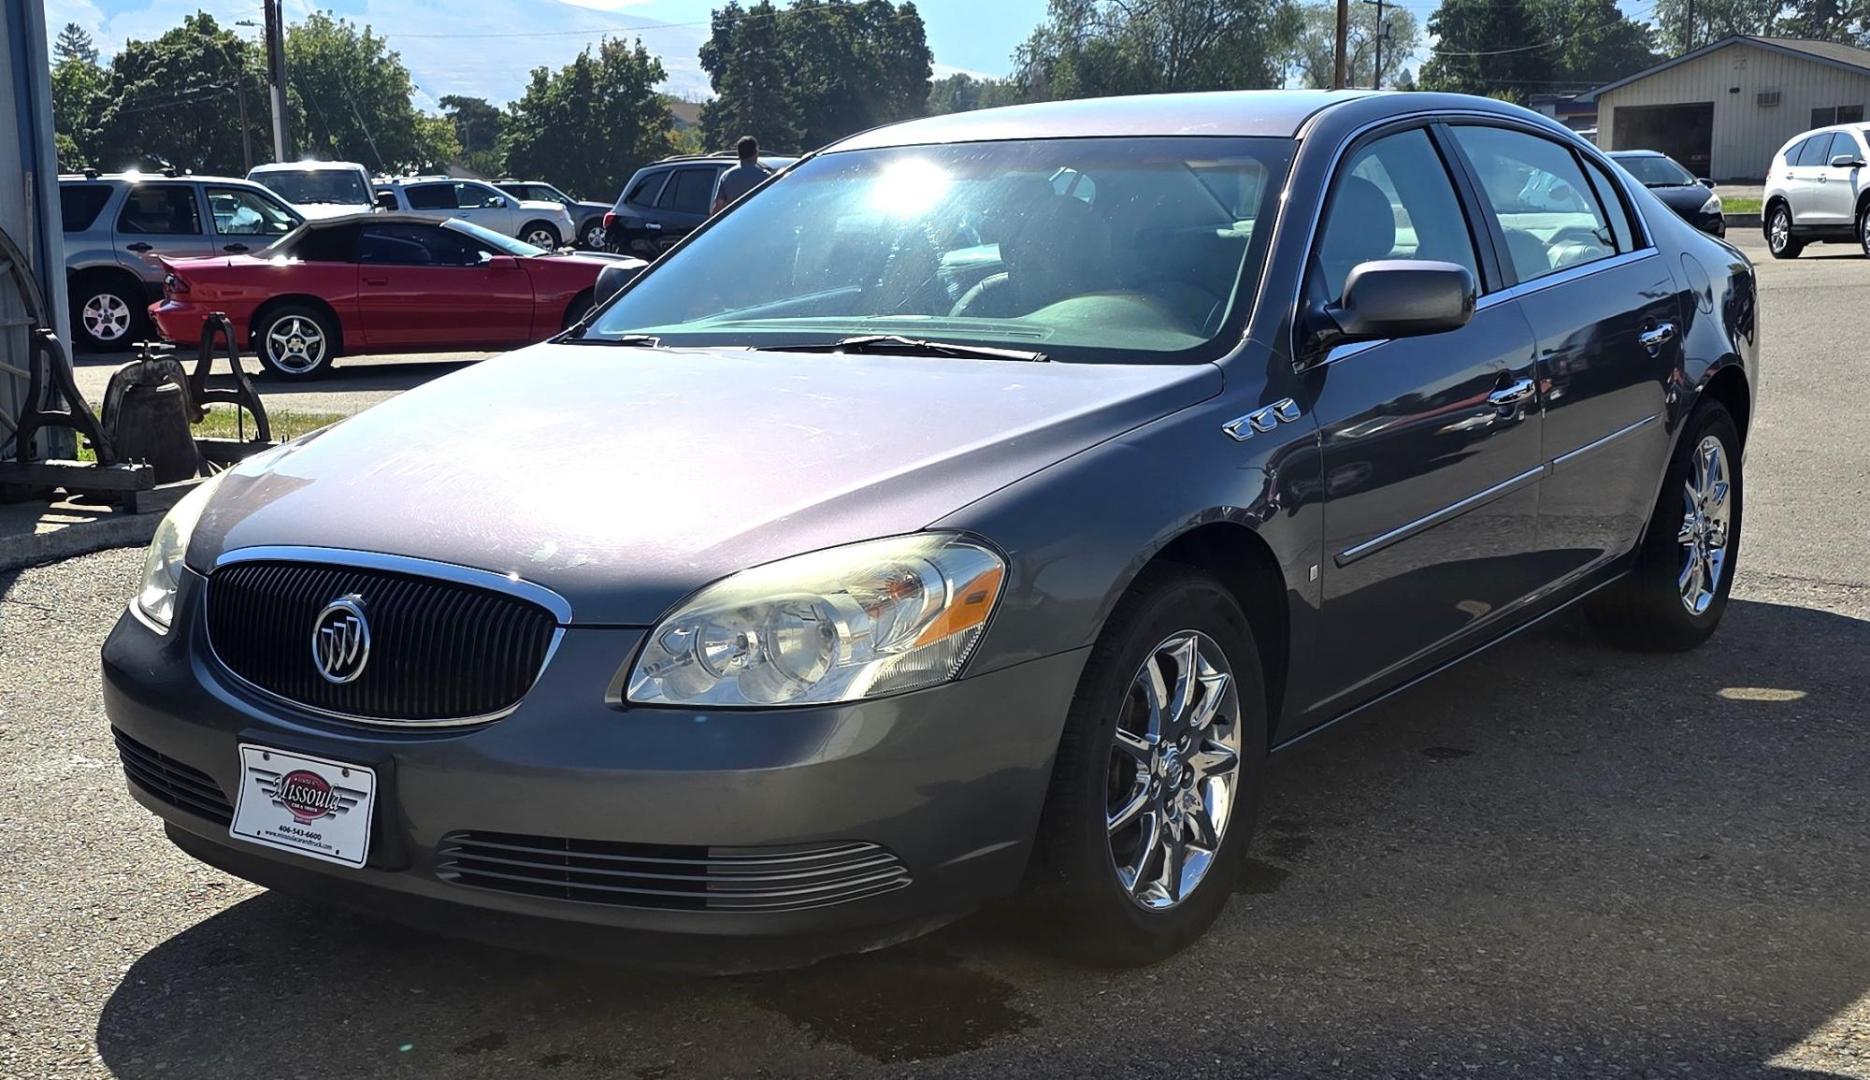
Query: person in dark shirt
[{"x": 743, "y": 177}]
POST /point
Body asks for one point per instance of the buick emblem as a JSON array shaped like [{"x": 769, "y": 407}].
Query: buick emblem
[{"x": 341, "y": 640}]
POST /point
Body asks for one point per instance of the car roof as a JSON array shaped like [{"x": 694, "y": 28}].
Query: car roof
[
  {"x": 1227, "y": 113},
  {"x": 138, "y": 177},
  {"x": 1634, "y": 153},
  {"x": 303, "y": 166}
]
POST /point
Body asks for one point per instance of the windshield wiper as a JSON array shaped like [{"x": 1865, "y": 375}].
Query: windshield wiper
[
  {"x": 575, "y": 336},
  {"x": 886, "y": 344}
]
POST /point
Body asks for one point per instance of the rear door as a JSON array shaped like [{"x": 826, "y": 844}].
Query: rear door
[
  {"x": 427, "y": 287},
  {"x": 1430, "y": 444},
  {"x": 435, "y": 200},
  {"x": 685, "y": 201},
  {"x": 1604, "y": 306},
  {"x": 488, "y": 207},
  {"x": 162, "y": 218}
]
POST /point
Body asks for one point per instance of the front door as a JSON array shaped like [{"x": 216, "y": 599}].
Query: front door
[
  {"x": 1605, "y": 308},
  {"x": 245, "y": 220},
  {"x": 429, "y": 287},
  {"x": 1837, "y": 184},
  {"x": 1430, "y": 444}
]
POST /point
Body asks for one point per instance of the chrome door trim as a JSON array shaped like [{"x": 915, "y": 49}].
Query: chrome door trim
[
  {"x": 1598, "y": 444},
  {"x": 1447, "y": 513},
  {"x": 1582, "y": 270},
  {"x": 511, "y": 584}
]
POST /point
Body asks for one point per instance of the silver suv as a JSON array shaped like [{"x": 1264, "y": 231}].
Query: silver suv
[
  {"x": 539, "y": 223},
  {"x": 116, "y": 226},
  {"x": 1818, "y": 189}
]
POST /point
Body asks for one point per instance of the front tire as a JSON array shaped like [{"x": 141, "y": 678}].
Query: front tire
[
  {"x": 540, "y": 234},
  {"x": 1157, "y": 777},
  {"x": 1674, "y": 596},
  {"x": 296, "y": 341},
  {"x": 1863, "y": 229},
  {"x": 1779, "y": 238}
]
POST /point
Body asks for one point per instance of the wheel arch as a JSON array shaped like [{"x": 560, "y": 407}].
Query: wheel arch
[
  {"x": 1728, "y": 385},
  {"x": 540, "y": 223},
  {"x": 273, "y": 304}
]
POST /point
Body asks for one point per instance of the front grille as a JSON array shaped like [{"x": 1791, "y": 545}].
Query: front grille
[
  {"x": 439, "y": 650},
  {"x": 179, "y": 785},
  {"x": 671, "y": 877}
]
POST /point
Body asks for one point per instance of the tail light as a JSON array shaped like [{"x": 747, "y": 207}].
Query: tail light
[
  {"x": 174, "y": 284},
  {"x": 610, "y": 220}
]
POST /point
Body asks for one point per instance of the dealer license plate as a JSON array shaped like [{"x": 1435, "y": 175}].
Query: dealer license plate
[{"x": 307, "y": 805}]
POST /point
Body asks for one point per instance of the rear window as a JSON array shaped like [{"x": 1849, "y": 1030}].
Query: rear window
[
  {"x": 646, "y": 190},
  {"x": 79, "y": 204}
]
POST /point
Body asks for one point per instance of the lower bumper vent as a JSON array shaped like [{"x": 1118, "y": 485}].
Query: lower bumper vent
[
  {"x": 182, "y": 786},
  {"x": 671, "y": 877}
]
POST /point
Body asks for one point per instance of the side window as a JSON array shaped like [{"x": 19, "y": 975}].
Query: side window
[
  {"x": 431, "y": 196},
  {"x": 1815, "y": 150},
  {"x": 160, "y": 210},
  {"x": 1621, "y": 227},
  {"x": 646, "y": 190},
  {"x": 78, "y": 204},
  {"x": 450, "y": 248},
  {"x": 1842, "y": 144},
  {"x": 238, "y": 212},
  {"x": 327, "y": 245},
  {"x": 689, "y": 191},
  {"x": 477, "y": 197},
  {"x": 1392, "y": 200},
  {"x": 386, "y": 200},
  {"x": 1538, "y": 195}
]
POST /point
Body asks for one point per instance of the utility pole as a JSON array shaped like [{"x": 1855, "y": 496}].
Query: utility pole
[
  {"x": 1688, "y": 39},
  {"x": 1344, "y": 27},
  {"x": 276, "y": 72},
  {"x": 1376, "y": 68},
  {"x": 246, "y": 137}
]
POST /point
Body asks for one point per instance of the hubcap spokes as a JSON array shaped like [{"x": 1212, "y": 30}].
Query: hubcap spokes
[
  {"x": 1173, "y": 771},
  {"x": 540, "y": 239},
  {"x": 1707, "y": 511},
  {"x": 296, "y": 344},
  {"x": 1782, "y": 230},
  {"x": 106, "y": 316}
]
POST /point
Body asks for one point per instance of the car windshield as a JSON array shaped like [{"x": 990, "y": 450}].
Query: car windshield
[
  {"x": 1089, "y": 250},
  {"x": 339, "y": 186},
  {"x": 497, "y": 241},
  {"x": 1656, "y": 171}
]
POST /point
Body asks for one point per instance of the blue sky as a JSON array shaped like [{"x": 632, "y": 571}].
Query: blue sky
[{"x": 486, "y": 47}]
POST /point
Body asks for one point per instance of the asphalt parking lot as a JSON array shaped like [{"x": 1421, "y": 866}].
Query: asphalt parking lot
[{"x": 1557, "y": 861}]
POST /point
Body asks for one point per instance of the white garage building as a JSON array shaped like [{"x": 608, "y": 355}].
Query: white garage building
[{"x": 1724, "y": 109}]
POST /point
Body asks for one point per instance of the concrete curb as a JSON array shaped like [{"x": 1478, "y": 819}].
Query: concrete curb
[
  {"x": 32, "y": 535},
  {"x": 1743, "y": 221}
]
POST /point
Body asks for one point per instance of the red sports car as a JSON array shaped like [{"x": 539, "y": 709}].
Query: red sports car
[{"x": 379, "y": 283}]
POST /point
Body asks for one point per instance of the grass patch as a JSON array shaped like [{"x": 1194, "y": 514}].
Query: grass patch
[
  {"x": 223, "y": 422},
  {"x": 1740, "y": 205}
]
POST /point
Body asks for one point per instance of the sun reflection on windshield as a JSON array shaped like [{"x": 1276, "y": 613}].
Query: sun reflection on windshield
[{"x": 910, "y": 187}]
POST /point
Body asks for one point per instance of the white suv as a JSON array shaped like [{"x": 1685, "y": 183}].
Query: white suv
[
  {"x": 1818, "y": 190},
  {"x": 542, "y": 224}
]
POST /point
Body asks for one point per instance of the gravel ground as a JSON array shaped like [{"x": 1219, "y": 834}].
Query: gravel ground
[{"x": 1557, "y": 861}]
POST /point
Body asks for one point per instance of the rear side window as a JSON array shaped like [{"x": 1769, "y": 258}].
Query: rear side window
[
  {"x": 431, "y": 197},
  {"x": 1393, "y": 200},
  {"x": 1537, "y": 194},
  {"x": 78, "y": 204},
  {"x": 160, "y": 210},
  {"x": 1815, "y": 150},
  {"x": 1606, "y": 191},
  {"x": 689, "y": 192},
  {"x": 646, "y": 190}
]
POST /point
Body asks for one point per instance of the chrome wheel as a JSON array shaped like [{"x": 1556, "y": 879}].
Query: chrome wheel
[
  {"x": 594, "y": 238},
  {"x": 106, "y": 317},
  {"x": 541, "y": 238},
  {"x": 296, "y": 345},
  {"x": 1779, "y": 230},
  {"x": 1174, "y": 770},
  {"x": 1706, "y": 496}
]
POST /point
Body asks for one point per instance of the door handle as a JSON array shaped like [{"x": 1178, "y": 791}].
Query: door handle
[
  {"x": 1657, "y": 336},
  {"x": 1508, "y": 396},
  {"x": 139, "y": 247},
  {"x": 376, "y": 281},
  {"x": 235, "y": 248}
]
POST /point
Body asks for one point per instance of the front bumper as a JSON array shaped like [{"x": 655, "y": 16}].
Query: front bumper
[{"x": 950, "y": 780}]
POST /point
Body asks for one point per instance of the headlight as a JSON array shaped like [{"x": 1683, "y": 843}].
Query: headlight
[
  {"x": 1712, "y": 206},
  {"x": 853, "y": 622},
  {"x": 162, "y": 566}
]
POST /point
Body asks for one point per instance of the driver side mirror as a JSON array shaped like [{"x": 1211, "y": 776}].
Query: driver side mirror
[
  {"x": 1846, "y": 161},
  {"x": 612, "y": 279},
  {"x": 1706, "y": 183},
  {"x": 1395, "y": 298},
  {"x": 501, "y": 262}
]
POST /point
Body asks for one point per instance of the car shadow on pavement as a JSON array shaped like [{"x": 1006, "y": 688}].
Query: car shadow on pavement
[{"x": 1558, "y": 860}]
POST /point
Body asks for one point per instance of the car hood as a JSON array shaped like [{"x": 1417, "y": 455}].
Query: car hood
[
  {"x": 544, "y": 206},
  {"x": 1682, "y": 197},
  {"x": 626, "y": 478},
  {"x": 320, "y": 211}
]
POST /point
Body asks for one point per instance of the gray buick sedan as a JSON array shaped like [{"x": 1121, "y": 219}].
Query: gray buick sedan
[{"x": 971, "y": 508}]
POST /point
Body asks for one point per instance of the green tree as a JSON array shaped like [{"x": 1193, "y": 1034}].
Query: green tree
[
  {"x": 74, "y": 43},
  {"x": 753, "y": 90},
  {"x": 1487, "y": 48},
  {"x": 1090, "y": 48},
  {"x": 809, "y": 74},
  {"x": 1593, "y": 41},
  {"x": 351, "y": 100},
  {"x": 77, "y": 98},
  {"x": 1314, "y": 51},
  {"x": 171, "y": 101},
  {"x": 1846, "y": 21},
  {"x": 589, "y": 125},
  {"x": 962, "y": 92},
  {"x": 477, "y": 126}
]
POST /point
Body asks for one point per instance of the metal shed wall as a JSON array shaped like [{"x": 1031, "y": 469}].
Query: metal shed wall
[
  {"x": 1746, "y": 134},
  {"x": 28, "y": 189}
]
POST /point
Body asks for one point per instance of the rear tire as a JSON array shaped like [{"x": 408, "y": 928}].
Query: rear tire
[
  {"x": 575, "y": 310},
  {"x": 592, "y": 238},
  {"x": 107, "y": 312},
  {"x": 1779, "y": 238},
  {"x": 296, "y": 341},
  {"x": 1666, "y": 603},
  {"x": 1107, "y": 898}
]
